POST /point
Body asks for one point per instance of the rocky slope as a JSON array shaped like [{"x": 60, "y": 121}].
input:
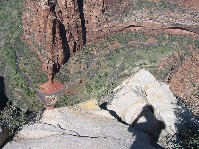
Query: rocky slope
[
  {"x": 183, "y": 77},
  {"x": 141, "y": 115}
]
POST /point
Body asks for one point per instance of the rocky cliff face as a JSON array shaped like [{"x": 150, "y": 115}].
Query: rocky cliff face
[
  {"x": 53, "y": 29},
  {"x": 101, "y": 16},
  {"x": 57, "y": 28}
]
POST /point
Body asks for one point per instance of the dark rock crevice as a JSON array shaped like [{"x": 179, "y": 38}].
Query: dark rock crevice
[
  {"x": 3, "y": 97},
  {"x": 81, "y": 11},
  {"x": 65, "y": 45}
]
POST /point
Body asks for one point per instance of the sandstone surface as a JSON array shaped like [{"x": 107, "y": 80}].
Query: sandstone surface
[
  {"x": 142, "y": 108},
  {"x": 76, "y": 128},
  {"x": 139, "y": 90}
]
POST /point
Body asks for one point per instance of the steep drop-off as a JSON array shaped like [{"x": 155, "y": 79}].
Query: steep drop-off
[
  {"x": 57, "y": 28},
  {"x": 53, "y": 30}
]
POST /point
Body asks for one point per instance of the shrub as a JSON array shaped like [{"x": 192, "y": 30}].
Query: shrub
[{"x": 12, "y": 118}]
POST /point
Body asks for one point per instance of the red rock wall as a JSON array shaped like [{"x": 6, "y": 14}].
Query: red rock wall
[
  {"x": 55, "y": 34},
  {"x": 101, "y": 16}
]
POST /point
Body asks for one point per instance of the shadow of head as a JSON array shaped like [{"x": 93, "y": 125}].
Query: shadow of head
[
  {"x": 103, "y": 106},
  {"x": 150, "y": 108}
]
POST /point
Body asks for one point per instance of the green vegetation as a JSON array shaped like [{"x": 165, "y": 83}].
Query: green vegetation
[
  {"x": 12, "y": 118},
  {"x": 30, "y": 63},
  {"x": 20, "y": 96},
  {"x": 67, "y": 100},
  {"x": 197, "y": 44},
  {"x": 11, "y": 47},
  {"x": 112, "y": 67},
  {"x": 156, "y": 8},
  {"x": 144, "y": 4},
  {"x": 100, "y": 85}
]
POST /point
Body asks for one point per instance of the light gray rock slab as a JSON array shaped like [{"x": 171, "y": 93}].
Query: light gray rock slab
[
  {"x": 76, "y": 128},
  {"x": 139, "y": 90},
  {"x": 73, "y": 142}
]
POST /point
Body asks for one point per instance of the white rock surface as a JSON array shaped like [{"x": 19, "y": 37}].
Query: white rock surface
[
  {"x": 139, "y": 90},
  {"x": 75, "y": 127}
]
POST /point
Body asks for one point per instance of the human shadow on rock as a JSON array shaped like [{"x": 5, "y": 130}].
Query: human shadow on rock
[{"x": 147, "y": 123}]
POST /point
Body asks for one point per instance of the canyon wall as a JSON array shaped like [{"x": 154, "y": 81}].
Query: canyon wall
[
  {"x": 57, "y": 28},
  {"x": 101, "y": 16},
  {"x": 53, "y": 29}
]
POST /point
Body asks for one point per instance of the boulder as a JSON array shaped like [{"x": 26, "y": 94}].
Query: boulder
[{"x": 145, "y": 103}]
